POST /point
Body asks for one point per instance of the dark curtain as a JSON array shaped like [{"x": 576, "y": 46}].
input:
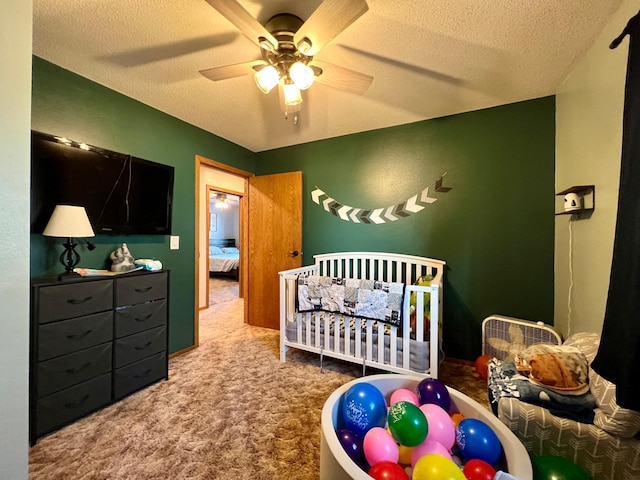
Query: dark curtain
[{"x": 619, "y": 353}]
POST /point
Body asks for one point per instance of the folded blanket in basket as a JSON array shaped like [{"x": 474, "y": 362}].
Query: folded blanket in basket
[
  {"x": 350, "y": 296},
  {"x": 505, "y": 381}
]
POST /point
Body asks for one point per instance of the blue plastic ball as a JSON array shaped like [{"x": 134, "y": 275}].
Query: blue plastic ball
[
  {"x": 476, "y": 439},
  {"x": 363, "y": 408}
]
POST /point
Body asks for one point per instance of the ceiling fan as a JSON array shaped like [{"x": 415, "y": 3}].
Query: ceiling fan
[{"x": 288, "y": 45}]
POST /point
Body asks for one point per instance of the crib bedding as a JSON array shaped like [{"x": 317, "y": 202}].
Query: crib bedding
[
  {"x": 419, "y": 351},
  {"x": 362, "y": 298}
]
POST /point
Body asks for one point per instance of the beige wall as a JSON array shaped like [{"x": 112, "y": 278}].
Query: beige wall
[
  {"x": 226, "y": 182},
  {"x": 15, "y": 126},
  {"x": 588, "y": 149}
]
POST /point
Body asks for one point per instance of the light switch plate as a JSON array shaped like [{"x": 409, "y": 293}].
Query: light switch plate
[{"x": 174, "y": 242}]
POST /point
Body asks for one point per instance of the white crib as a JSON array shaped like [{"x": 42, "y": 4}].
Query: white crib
[{"x": 365, "y": 341}]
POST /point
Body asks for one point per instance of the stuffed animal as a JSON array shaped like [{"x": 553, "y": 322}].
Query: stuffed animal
[{"x": 121, "y": 259}]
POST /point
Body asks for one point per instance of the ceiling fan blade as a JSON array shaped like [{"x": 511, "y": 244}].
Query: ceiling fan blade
[
  {"x": 342, "y": 78},
  {"x": 231, "y": 71},
  {"x": 407, "y": 66},
  {"x": 249, "y": 26},
  {"x": 167, "y": 51},
  {"x": 330, "y": 19}
]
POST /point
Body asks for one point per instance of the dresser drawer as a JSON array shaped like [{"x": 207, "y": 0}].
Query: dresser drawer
[
  {"x": 136, "y": 318},
  {"x": 141, "y": 288},
  {"x": 70, "y": 404},
  {"x": 136, "y": 347},
  {"x": 67, "y": 336},
  {"x": 74, "y": 300},
  {"x": 63, "y": 372},
  {"x": 139, "y": 374}
]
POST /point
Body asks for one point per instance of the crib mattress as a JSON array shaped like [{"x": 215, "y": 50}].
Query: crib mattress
[{"x": 419, "y": 351}]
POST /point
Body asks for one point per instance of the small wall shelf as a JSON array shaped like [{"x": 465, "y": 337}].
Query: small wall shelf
[{"x": 588, "y": 195}]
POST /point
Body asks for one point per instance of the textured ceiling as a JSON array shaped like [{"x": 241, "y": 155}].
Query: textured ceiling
[{"x": 429, "y": 58}]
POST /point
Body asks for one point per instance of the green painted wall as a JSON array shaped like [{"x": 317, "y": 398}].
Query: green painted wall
[
  {"x": 495, "y": 228},
  {"x": 66, "y": 104}
]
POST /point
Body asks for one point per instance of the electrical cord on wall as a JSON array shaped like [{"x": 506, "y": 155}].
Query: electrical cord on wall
[
  {"x": 127, "y": 163},
  {"x": 570, "y": 278}
]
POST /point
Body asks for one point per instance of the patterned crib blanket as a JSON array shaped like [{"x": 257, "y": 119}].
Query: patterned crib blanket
[
  {"x": 368, "y": 299},
  {"x": 505, "y": 381}
]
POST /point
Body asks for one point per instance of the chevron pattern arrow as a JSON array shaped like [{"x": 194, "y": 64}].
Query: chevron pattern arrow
[{"x": 377, "y": 216}]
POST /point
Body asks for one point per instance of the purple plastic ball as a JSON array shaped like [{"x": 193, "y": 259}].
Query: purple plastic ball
[
  {"x": 432, "y": 390},
  {"x": 352, "y": 444}
]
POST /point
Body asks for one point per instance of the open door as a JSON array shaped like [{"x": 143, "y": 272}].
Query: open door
[{"x": 274, "y": 242}]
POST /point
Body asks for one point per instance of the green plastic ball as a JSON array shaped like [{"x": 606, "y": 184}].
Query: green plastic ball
[{"x": 407, "y": 424}]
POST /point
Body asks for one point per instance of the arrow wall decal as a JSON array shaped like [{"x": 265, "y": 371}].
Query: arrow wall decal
[{"x": 413, "y": 204}]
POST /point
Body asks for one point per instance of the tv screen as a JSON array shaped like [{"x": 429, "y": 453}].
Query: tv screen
[{"x": 122, "y": 194}]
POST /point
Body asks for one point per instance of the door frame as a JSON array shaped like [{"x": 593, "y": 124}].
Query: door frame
[{"x": 244, "y": 229}]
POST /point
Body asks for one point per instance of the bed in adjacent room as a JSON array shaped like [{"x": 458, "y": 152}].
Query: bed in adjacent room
[{"x": 224, "y": 258}]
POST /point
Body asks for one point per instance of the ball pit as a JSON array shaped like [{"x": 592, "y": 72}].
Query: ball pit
[{"x": 336, "y": 464}]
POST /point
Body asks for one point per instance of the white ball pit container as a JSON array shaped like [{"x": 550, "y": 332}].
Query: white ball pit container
[{"x": 335, "y": 464}]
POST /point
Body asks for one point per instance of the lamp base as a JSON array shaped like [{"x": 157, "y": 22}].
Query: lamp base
[{"x": 69, "y": 258}]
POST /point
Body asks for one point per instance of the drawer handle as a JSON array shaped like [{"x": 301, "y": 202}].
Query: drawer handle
[
  {"x": 79, "y": 335},
  {"x": 144, "y": 319},
  {"x": 72, "y": 371},
  {"x": 142, "y": 347},
  {"x": 143, "y": 374},
  {"x": 143, "y": 290},
  {"x": 77, "y": 403},
  {"x": 78, "y": 301}
]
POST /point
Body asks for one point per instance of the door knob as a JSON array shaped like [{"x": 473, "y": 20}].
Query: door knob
[{"x": 295, "y": 253}]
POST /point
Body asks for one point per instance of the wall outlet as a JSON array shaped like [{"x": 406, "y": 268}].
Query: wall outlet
[{"x": 174, "y": 242}]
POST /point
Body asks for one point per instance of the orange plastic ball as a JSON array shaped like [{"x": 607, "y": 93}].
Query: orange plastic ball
[
  {"x": 457, "y": 418},
  {"x": 481, "y": 366}
]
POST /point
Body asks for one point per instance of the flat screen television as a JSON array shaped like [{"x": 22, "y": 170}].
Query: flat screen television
[{"x": 122, "y": 194}]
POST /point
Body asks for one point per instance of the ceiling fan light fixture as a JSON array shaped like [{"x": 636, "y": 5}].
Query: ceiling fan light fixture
[
  {"x": 267, "y": 78},
  {"x": 222, "y": 201},
  {"x": 302, "y": 75},
  {"x": 304, "y": 45},
  {"x": 292, "y": 95}
]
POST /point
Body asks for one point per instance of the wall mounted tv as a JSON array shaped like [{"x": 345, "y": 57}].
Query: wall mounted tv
[{"x": 122, "y": 194}]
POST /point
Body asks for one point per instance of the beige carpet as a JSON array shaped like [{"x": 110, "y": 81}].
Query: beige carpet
[
  {"x": 222, "y": 290},
  {"x": 230, "y": 409}
]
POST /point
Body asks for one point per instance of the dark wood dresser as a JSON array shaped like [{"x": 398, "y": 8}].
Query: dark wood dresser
[{"x": 94, "y": 340}]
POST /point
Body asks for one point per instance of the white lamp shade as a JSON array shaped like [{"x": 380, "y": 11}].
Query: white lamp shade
[
  {"x": 69, "y": 221},
  {"x": 292, "y": 94},
  {"x": 267, "y": 78},
  {"x": 302, "y": 75}
]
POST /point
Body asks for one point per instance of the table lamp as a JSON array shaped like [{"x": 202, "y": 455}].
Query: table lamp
[{"x": 68, "y": 221}]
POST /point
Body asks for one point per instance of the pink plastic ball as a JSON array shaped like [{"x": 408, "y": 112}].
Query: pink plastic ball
[
  {"x": 427, "y": 447},
  {"x": 404, "y": 395},
  {"x": 441, "y": 426},
  {"x": 379, "y": 446}
]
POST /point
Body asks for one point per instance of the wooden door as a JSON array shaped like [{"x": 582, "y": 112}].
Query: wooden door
[{"x": 274, "y": 241}]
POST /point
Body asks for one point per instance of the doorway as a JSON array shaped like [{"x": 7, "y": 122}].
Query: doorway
[
  {"x": 221, "y": 222},
  {"x": 275, "y": 243}
]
